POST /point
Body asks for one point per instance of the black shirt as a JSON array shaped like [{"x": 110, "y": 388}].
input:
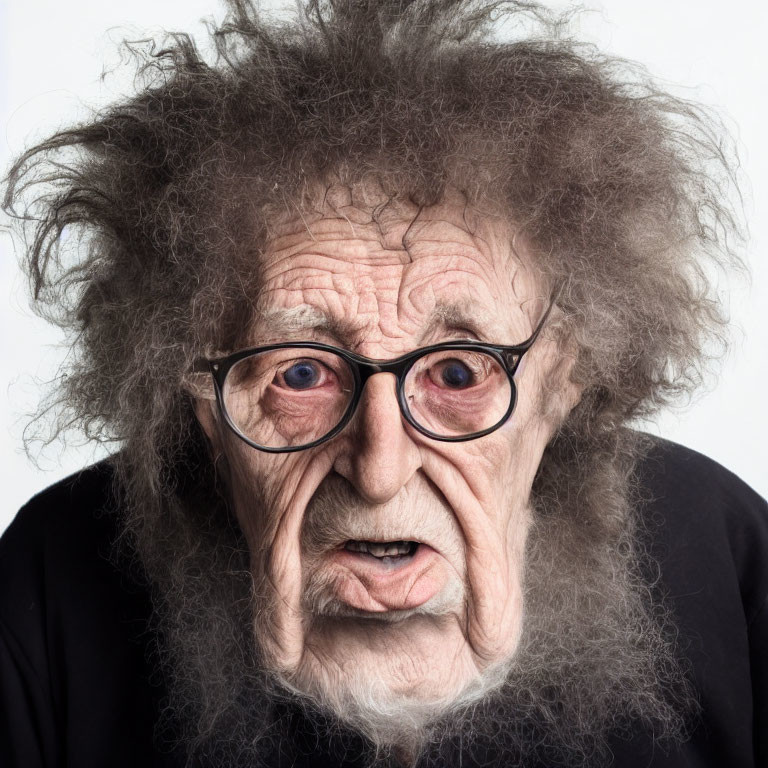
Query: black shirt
[{"x": 78, "y": 686}]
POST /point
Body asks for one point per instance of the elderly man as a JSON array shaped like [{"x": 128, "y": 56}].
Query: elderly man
[{"x": 368, "y": 305}]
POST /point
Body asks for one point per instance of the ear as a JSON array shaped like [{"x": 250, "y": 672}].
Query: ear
[
  {"x": 199, "y": 386},
  {"x": 570, "y": 391},
  {"x": 207, "y": 416},
  {"x": 565, "y": 392}
]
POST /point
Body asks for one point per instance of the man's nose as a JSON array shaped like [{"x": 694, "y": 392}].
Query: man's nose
[{"x": 381, "y": 457}]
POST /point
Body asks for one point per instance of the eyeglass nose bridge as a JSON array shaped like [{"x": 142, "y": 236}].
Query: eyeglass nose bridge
[
  {"x": 364, "y": 369},
  {"x": 368, "y": 368}
]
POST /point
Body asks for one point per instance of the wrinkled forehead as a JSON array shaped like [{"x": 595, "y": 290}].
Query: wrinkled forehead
[
  {"x": 393, "y": 215},
  {"x": 359, "y": 262}
]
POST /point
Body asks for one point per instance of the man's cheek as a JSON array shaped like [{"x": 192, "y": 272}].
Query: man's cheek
[
  {"x": 261, "y": 485},
  {"x": 487, "y": 472}
]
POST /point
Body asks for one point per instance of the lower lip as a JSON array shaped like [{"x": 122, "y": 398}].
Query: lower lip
[{"x": 375, "y": 585}]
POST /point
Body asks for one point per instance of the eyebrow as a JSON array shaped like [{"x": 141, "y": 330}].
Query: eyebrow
[
  {"x": 457, "y": 317},
  {"x": 304, "y": 319},
  {"x": 300, "y": 321}
]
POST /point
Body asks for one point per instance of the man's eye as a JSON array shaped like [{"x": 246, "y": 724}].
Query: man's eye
[
  {"x": 301, "y": 375},
  {"x": 453, "y": 374}
]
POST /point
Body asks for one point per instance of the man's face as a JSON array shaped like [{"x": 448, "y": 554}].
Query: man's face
[{"x": 381, "y": 279}]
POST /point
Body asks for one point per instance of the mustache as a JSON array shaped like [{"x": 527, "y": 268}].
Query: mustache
[{"x": 337, "y": 513}]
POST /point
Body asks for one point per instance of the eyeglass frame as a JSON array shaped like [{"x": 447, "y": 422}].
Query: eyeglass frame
[{"x": 362, "y": 368}]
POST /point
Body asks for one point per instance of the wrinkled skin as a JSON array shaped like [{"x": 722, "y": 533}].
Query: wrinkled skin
[{"x": 379, "y": 270}]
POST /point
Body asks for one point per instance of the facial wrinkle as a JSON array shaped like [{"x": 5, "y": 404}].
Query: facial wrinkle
[
  {"x": 406, "y": 234},
  {"x": 352, "y": 203},
  {"x": 387, "y": 238},
  {"x": 414, "y": 296}
]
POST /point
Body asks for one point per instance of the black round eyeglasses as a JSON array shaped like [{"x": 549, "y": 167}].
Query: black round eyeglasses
[{"x": 289, "y": 397}]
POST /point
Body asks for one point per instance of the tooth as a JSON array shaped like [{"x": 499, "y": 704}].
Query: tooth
[{"x": 382, "y": 549}]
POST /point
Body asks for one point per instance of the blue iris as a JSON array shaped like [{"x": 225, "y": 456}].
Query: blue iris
[
  {"x": 301, "y": 375},
  {"x": 456, "y": 375}
]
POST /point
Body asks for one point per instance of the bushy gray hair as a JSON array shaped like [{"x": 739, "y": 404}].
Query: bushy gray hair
[{"x": 145, "y": 225}]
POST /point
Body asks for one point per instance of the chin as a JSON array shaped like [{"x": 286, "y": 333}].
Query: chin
[
  {"x": 390, "y": 675},
  {"x": 382, "y": 642}
]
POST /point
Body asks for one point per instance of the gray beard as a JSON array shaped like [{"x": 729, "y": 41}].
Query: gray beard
[{"x": 595, "y": 659}]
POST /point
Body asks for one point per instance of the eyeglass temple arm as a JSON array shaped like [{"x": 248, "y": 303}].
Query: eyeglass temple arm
[
  {"x": 526, "y": 345},
  {"x": 514, "y": 355}
]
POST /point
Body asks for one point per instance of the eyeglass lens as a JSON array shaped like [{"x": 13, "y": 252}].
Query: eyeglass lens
[{"x": 293, "y": 396}]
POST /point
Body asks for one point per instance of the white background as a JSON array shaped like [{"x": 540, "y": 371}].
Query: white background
[{"x": 53, "y": 55}]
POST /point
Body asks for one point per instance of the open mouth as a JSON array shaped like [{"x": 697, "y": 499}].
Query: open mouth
[
  {"x": 381, "y": 576},
  {"x": 388, "y": 553}
]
